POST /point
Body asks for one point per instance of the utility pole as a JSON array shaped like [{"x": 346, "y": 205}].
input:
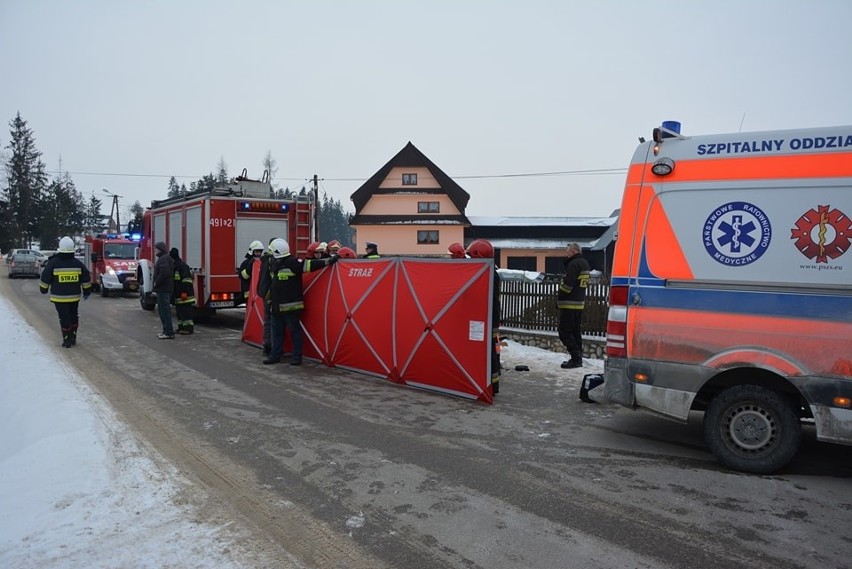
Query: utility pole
[
  {"x": 316, "y": 208},
  {"x": 114, "y": 208}
]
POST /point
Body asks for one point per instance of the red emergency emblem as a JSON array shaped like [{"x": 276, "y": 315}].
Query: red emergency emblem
[{"x": 823, "y": 233}]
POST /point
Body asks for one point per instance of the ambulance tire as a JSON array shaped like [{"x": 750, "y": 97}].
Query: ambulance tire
[{"x": 752, "y": 429}]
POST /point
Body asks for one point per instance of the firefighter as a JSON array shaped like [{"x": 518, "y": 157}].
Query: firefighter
[
  {"x": 334, "y": 247},
  {"x": 372, "y": 250},
  {"x": 255, "y": 250},
  {"x": 66, "y": 277},
  {"x": 286, "y": 299},
  {"x": 321, "y": 251},
  {"x": 184, "y": 296},
  {"x": 483, "y": 249},
  {"x": 262, "y": 292},
  {"x": 570, "y": 300},
  {"x": 456, "y": 251},
  {"x": 346, "y": 253}
]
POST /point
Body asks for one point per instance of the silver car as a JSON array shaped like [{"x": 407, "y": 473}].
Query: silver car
[{"x": 24, "y": 264}]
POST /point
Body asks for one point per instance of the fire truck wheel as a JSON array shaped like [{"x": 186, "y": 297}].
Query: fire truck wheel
[
  {"x": 104, "y": 291},
  {"x": 147, "y": 302},
  {"x": 752, "y": 429}
]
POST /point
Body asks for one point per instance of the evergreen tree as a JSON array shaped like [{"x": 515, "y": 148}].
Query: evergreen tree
[
  {"x": 26, "y": 180},
  {"x": 205, "y": 183},
  {"x": 334, "y": 222},
  {"x": 174, "y": 190},
  {"x": 221, "y": 172},
  {"x": 93, "y": 220},
  {"x": 63, "y": 212},
  {"x": 135, "y": 223}
]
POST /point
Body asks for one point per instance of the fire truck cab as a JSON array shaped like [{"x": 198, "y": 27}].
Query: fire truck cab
[
  {"x": 212, "y": 230},
  {"x": 112, "y": 261}
]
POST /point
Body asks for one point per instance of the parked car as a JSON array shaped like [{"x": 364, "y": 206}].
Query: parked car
[
  {"x": 24, "y": 264},
  {"x": 13, "y": 251}
]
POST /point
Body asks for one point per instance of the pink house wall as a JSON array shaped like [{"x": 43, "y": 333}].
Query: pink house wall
[{"x": 402, "y": 239}]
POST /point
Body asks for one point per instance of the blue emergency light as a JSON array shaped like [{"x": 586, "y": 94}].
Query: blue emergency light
[{"x": 265, "y": 206}]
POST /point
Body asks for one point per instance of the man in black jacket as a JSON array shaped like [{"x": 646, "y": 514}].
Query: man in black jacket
[
  {"x": 286, "y": 299},
  {"x": 570, "y": 300},
  {"x": 164, "y": 286},
  {"x": 184, "y": 294},
  {"x": 66, "y": 277}
]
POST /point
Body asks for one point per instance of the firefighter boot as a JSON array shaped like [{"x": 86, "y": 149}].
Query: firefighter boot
[
  {"x": 189, "y": 327},
  {"x": 66, "y": 337},
  {"x": 74, "y": 334}
]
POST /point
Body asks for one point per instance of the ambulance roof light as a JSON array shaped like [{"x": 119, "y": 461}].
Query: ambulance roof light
[{"x": 669, "y": 129}]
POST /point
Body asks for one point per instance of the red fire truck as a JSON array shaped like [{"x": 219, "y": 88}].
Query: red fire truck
[
  {"x": 112, "y": 262},
  {"x": 212, "y": 230}
]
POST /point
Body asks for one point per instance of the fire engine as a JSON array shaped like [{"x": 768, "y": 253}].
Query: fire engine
[
  {"x": 112, "y": 261},
  {"x": 212, "y": 230}
]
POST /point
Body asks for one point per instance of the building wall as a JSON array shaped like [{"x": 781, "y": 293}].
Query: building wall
[
  {"x": 406, "y": 204},
  {"x": 424, "y": 178},
  {"x": 402, "y": 239}
]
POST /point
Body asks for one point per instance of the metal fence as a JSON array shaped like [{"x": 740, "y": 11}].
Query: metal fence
[{"x": 532, "y": 306}]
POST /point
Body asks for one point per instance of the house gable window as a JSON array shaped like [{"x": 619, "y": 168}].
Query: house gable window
[
  {"x": 429, "y": 237},
  {"x": 428, "y": 207},
  {"x": 409, "y": 179}
]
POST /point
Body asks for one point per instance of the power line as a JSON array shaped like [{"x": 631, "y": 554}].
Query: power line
[{"x": 593, "y": 172}]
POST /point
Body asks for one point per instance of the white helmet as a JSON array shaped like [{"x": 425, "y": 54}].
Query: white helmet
[
  {"x": 255, "y": 246},
  {"x": 280, "y": 248},
  {"x": 66, "y": 245}
]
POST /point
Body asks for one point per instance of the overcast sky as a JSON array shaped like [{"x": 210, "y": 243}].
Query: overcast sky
[{"x": 128, "y": 94}]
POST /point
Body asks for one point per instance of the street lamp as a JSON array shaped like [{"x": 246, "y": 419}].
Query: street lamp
[{"x": 115, "y": 209}]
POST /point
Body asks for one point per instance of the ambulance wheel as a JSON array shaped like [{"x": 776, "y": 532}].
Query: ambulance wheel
[{"x": 752, "y": 429}]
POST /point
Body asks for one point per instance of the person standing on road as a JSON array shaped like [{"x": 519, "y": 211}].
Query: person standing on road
[
  {"x": 286, "y": 298},
  {"x": 571, "y": 300},
  {"x": 184, "y": 295},
  {"x": 164, "y": 286},
  {"x": 66, "y": 277},
  {"x": 262, "y": 292},
  {"x": 245, "y": 269}
]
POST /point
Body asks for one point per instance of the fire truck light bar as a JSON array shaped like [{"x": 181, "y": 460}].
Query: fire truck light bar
[{"x": 264, "y": 206}]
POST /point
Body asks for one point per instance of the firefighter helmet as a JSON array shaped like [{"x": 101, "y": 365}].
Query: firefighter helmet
[
  {"x": 312, "y": 247},
  {"x": 66, "y": 245},
  {"x": 255, "y": 246},
  {"x": 280, "y": 248},
  {"x": 346, "y": 253},
  {"x": 322, "y": 247},
  {"x": 481, "y": 249},
  {"x": 456, "y": 251},
  {"x": 333, "y": 245}
]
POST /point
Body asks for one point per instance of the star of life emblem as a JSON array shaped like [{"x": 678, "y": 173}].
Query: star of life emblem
[{"x": 737, "y": 233}]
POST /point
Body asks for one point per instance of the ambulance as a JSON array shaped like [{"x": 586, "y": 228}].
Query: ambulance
[{"x": 731, "y": 289}]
